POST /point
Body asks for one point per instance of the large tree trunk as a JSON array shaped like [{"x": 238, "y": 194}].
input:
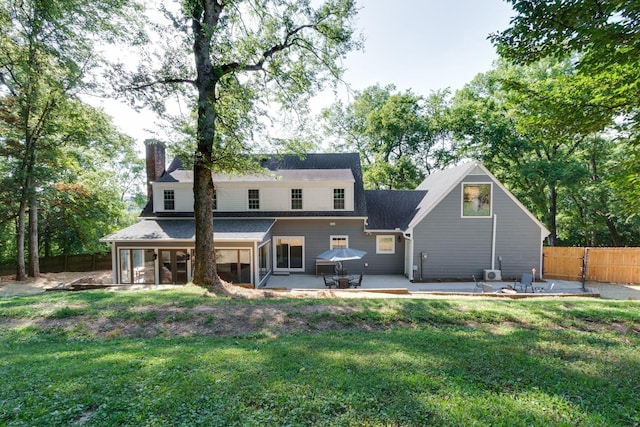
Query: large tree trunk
[
  {"x": 34, "y": 250},
  {"x": 21, "y": 229},
  {"x": 205, "y": 273},
  {"x": 21, "y": 271}
]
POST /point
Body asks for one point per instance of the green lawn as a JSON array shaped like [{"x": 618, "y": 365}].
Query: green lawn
[{"x": 115, "y": 358}]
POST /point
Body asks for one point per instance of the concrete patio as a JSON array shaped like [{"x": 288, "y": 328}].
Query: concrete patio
[{"x": 400, "y": 284}]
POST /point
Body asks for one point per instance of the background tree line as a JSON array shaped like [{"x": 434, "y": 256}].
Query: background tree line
[{"x": 556, "y": 119}]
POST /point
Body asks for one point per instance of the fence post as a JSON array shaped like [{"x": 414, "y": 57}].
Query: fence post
[{"x": 585, "y": 267}]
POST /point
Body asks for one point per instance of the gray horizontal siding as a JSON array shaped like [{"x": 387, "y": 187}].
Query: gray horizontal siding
[
  {"x": 317, "y": 234},
  {"x": 461, "y": 247}
]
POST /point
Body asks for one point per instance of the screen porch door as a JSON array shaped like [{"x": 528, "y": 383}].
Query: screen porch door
[{"x": 173, "y": 266}]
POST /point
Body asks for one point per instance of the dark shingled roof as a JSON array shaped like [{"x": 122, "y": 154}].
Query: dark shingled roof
[
  {"x": 167, "y": 230},
  {"x": 284, "y": 162},
  {"x": 391, "y": 209}
]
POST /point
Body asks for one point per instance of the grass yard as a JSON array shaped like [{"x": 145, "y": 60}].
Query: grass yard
[{"x": 158, "y": 358}]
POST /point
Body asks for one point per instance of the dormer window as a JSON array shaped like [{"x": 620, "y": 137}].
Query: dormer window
[
  {"x": 169, "y": 200},
  {"x": 254, "y": 199},
  {"x": 296, "y": 198},
  {"x": 338, "y": 198}
]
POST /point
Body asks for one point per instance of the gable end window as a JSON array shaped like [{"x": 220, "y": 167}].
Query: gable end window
[
  {"x": 296, "y": 198},
  {"x": 476, "y": 200},
  {"x": 169, "y": 200},
  {"x": 338, "y": 198},
  {"x": 254, "y": 199}
]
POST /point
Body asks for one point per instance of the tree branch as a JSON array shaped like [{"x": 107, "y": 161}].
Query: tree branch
[
  {"x": 289, "y": 40},
  {"x": 160, "y": 82}
]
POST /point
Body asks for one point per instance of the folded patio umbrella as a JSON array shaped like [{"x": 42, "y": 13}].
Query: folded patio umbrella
[{"x": 341, "y": 254}]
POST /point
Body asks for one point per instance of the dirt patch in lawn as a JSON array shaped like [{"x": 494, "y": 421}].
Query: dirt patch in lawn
[
  {"x": 203, "y": 320},
  {"x": 211, "y": 318}
]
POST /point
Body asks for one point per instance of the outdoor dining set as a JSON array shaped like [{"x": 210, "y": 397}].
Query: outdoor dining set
[{"x": 340, "y": 278}]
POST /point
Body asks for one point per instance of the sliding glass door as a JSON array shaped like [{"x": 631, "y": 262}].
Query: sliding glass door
[{"x": 289, "y": 253}]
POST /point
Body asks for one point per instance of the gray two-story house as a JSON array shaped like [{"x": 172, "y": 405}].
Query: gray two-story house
[{"x": 459, "y": 222}]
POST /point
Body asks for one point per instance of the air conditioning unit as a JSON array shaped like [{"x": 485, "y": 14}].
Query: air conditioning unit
[{"x": 492, "y": 275}]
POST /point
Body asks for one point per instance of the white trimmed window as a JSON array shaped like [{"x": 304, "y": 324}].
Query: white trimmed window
[
  {"x": 254, "y": 199},
  {"x": 296, "y": 198},
  {"x": 339, "y": 242},
  {"x": 476, "y": 199},
  {"x": 169, "y": 200},
  {"x": 385, "y": 244}
]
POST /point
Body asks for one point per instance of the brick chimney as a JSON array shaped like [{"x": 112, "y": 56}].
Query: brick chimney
[{"x": 155, "y": 162}]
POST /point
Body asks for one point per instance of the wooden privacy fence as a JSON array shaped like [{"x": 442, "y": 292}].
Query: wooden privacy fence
[
  {"x": 615, "y": 265},
  {"x": 56, "y": 264}
]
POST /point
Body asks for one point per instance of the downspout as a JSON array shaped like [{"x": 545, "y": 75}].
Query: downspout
[
  {"x": 408, "y": 262},
  {"x": 493, "y": 243}
]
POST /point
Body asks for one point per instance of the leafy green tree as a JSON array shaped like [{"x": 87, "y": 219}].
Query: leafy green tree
[
  {"x": 603, "y": 38},
  {"x": 47, "y": 49},
  {"x": 227, "y": 56},
  {"x": 593, "y": 211},
  {"x": 394, "y": 133},
  {"x": 83, "y": 173}
]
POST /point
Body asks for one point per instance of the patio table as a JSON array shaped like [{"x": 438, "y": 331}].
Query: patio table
[{"x": 343, "y": 281}]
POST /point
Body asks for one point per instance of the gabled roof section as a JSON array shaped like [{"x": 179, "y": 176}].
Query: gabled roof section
[
  {"x": 392, "y": 209},
  {"x": 440, "y": 183},
  {"x": 176, "y": 173}
]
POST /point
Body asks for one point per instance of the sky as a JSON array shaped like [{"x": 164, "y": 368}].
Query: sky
[{"x": 421, "y": 45}]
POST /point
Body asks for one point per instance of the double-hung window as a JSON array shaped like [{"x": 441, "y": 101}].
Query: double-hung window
[
  {"x": 338, "y": 242},
  {"x": 169, "y": 200},
  {"x": 296, "y": 198},
  {"x": 385, "y": 244},
  {"x": 254, "y": 199},
  {"x": 338, "y": 198}
]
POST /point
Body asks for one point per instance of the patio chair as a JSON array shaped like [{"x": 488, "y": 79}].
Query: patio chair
[
  {"x": 544, "y": 289},
  {"x": 526, "y": 281},
  {"x": 478, "y": 287},
  {"x": 329, "y": 282},
  {"x": 356, "y": 281}
]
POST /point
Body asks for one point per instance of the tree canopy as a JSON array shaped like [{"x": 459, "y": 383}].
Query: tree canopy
[
  {"x": 394, "y": 132},
  {"x": 47, "y": 54},
  {"x": 222, "y": 59},
  {"x": 603, "y": 38}
]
